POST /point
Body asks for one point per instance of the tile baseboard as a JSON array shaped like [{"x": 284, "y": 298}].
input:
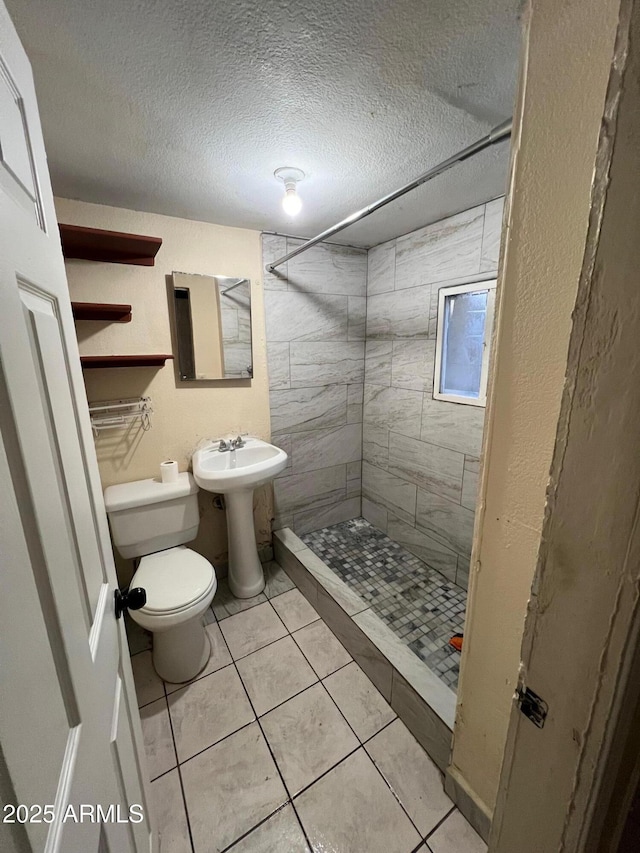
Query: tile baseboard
[{"x": 473, "y": 809}]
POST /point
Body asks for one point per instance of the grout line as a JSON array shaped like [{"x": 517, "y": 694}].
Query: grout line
[
  {"x": 184, "y": 797},
  {"x": 151, "y": 701},
  {"x": 386, "y": 725},
  {"x": 440, "y": 822},
  {"x": 216, "y": 743},
  {"x": 319, "y": 677},
  {"x": 201, "y": 677},
  {"x": 388, "y": 784},
  {"x": 266, "y": 645},
  {"x": 243, "y": 610},
  {"x": 273, "y": 758},
  {"x": 361, "y": 743},
  {"x": 344, "y": 665},
  {"x": 164, "y": 773},
  {"x": 325, "y": 773},
  {"x": 284, "y": 701},
  {"x": 258, "y": 825}
]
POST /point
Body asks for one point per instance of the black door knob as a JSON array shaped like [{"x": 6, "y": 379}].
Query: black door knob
[{"x": 130, "y": 599}]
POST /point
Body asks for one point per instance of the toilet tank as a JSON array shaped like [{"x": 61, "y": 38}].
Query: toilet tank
[{"x": 148, "y": 516}]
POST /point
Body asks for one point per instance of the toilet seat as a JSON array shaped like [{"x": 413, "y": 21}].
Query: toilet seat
[{"x": 175, "y": 580}]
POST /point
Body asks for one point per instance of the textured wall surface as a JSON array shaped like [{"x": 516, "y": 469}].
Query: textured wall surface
[
  {"x": 189, "y": 106},
  {"x": 420, "y": 455},
  {"x": 184, "y": 412},
  {"x": 560, "y": 115},
  {"x": 315, "y": 321}
]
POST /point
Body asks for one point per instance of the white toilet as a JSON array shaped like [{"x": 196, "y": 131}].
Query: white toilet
[{"x": 153, "y": 520}]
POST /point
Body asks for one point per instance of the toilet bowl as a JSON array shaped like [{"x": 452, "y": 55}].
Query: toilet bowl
[
  {"x": 151, "y": 521},
  {"x": 180, "y": 586}
]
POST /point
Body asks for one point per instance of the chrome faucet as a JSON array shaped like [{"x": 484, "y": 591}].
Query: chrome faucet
[{"x": 232, "y": 444}]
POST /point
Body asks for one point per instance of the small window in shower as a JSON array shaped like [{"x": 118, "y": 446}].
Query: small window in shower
[{"x": 465, "y": 320}]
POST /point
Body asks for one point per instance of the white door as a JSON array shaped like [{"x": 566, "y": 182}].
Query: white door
[{"x": 69, "y": 726}]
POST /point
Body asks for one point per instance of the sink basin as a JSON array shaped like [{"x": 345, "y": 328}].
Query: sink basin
[
  {"x": 236, "y": 473},
  {"x": 245, "y": 468}
]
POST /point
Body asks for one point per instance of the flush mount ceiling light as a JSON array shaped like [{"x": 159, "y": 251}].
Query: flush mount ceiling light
[{"x": 290, "y": 177}]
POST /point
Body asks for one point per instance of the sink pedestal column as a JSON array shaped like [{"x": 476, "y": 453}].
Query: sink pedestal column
[{"x": 246, "y": 577}]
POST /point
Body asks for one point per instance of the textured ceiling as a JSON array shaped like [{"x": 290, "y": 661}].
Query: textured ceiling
[{"x": 186, "y": 107}]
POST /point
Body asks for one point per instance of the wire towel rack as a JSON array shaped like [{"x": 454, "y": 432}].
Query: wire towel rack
[{"x": 120, "y": 414}]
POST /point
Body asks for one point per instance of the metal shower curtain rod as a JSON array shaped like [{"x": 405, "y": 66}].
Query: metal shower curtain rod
[{"x": 502, "y": 131}]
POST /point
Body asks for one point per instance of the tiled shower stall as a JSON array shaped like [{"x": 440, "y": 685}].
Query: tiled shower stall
[{"x": 351, "y": 338}]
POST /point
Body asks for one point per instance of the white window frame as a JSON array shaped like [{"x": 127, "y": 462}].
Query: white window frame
[{"x": 471, "y": 287}]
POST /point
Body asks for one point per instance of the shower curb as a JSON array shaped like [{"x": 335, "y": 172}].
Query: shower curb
[
  {"x": 419, "y": 698},
  {"x": 424, "y": 704}
]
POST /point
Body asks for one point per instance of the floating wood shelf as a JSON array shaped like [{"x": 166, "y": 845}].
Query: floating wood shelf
[
  {"x": 108, "y": 312},
  {"x": 114, "y": 247},
  {"x": 94, "y": 361}
]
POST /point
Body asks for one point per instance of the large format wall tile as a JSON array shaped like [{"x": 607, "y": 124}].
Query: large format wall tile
[
  {"x": 375, "y": 514},
  {"x": 396, "y": 494},
  {"x": 322, "y": 448},
  {"x": 317, "y": 518},
  {"x": 423, "y": 546},
  {"x": 401, "y": 314},
  {"x": 381, "y": 268},
  {"x": 377, "y": 370},
  {"x": 315, "y": 309},
  {"x": 375, "y": 444},
  {"x": 429, "y": 451},
  {"x": 436, "y": 469},
  {"x": 302, "y": 409},
  {"x": 317, "y": 314},
  {"x": 274, "y": 247},
  {"x": 394, "y": 408},
  {"x": 310, "y": 489},
  {"x": 327, "y": 268},
  {"x": 452, "y": 425},
  {"x": 462, "y": 575},
  {"x": 447, "y": 249},
  {"x": 355, "y": 396},
  {"x": 470, "y": 482},
  {"x": 278, "y": 363},
  {"x": 336, "y": 362},
  {"x": 446, "y": 521},
  {"x": 357, "y": 309},
  {"x": 354, "y": 475},
  {"x": 305, "y": 317},
  {"x": 433, "y": 310},
  {"x": 413, "y": 364},
  {"x": 492, "y": 234},
  {"x": 284, "y": 443}
]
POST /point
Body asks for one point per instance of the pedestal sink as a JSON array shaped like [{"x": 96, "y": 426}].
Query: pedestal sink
[{"x": 235, "y": 474}]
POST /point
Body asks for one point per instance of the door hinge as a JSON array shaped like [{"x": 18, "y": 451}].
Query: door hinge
[{"x": 532, "y": 706}]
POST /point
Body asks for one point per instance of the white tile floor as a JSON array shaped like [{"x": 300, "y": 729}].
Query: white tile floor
[{"x": 283, "y": 745}]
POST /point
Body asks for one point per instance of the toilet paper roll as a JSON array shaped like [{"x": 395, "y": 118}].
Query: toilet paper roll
[{"x": 169, "y": 471}]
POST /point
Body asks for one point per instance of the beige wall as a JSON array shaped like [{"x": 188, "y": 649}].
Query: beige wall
[
  {"x": 184, "y": 413},
  {"x": 564, "y": 79}
]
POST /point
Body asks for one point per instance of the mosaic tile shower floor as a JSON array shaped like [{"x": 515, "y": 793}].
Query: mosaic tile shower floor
[{"x": 419, "y": 604}]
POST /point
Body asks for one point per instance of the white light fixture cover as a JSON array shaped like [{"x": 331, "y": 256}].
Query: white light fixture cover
[{"x": 291, "y": 202}]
